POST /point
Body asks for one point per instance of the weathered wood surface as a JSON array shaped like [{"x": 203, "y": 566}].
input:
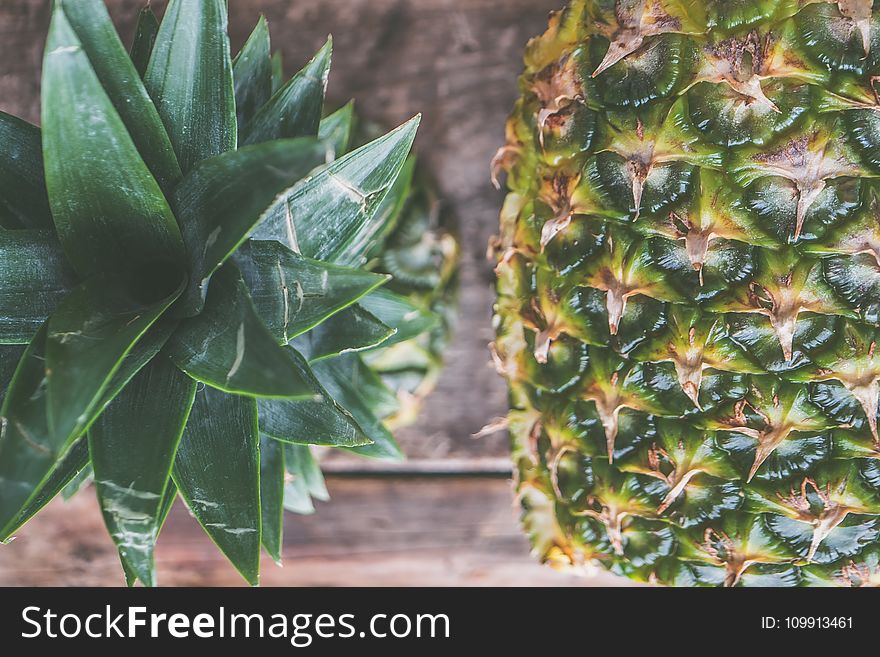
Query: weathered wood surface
[
  {"x": 410, "y": 531},
  {"x": 456, "y": 61}
]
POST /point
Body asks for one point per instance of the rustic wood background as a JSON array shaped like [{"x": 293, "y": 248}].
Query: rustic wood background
[{"x": 446, "y": 516}]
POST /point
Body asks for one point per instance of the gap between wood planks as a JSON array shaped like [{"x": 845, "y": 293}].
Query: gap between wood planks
[{"x": 495, "y": 468}]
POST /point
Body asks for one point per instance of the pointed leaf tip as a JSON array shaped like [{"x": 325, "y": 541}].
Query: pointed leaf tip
[
  {"x": 334, "y": 212},
  {"x": 190, "y": 78},
  {"x": 217, "y": 471}
]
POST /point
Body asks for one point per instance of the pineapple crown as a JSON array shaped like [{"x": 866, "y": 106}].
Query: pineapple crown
[{"x": 182, "y": 281}]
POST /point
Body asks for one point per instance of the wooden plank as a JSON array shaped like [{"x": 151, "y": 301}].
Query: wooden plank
[{"x": 407, "y": 531}]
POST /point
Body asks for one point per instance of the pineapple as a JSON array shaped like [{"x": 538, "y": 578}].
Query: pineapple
[
  {"x": 689, "y": 291},
  {"x": 185, "y": 282}
]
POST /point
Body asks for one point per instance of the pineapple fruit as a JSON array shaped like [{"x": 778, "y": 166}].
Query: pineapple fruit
[
  {"x": 186, "y": 256},
  {"x": 689, "y": 291}
]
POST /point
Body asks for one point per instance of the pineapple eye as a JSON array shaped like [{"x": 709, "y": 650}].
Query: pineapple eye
[{"x": 155, "y": 280}]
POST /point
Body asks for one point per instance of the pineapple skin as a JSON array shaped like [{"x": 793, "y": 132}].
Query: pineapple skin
[{"x": 689, "y": 291}]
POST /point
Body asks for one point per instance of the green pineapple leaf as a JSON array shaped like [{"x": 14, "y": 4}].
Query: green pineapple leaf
[
  {"x": 229, "y": 348},
  {"x": 306, "y": 481},
  {"x": 132, "y": 446},
  {"x": 109, "y": 211},
  {"x": 23, "y": 198},
  {"x": 190, "y": 80},
  {"x": 353, "y": 329},
  {"x": 295, "y": 109},
  {"x": 89, "y": 335},
  {"x": 133, "y": 352},
  {"x": 82, "y": 479},
  {"x": 218, "y": 474},
  {"x": 337, "y": 129},
  {"x": 293, "y": 294},
  {"x": 144, "y": 38},
  {"x": 332, "y": 211},
  {"x": 10, "y": 355},
  {"x": 349, "y": 380},
  {"x": 28, "y": 450},
  {"x": 407, "y": 319},
  {"x": 141, "y": 353},
  {"x": 224, "y": 197},
  {"x": 300, "y": 459},
  {"x": 317, "y": 421},
  {"x": 130, "y": 576},
  {"x": 122, "y": 83},
  {"x": 62, "y": 473},
  {"x": 389, "y": 213},
  {"x": 168, "y": 498},
  {"x": 277, "y": 72},
  {"x": 35, "y": 279},
  {"x": 272, "y": 495},
  {"x": 65, "y": 472},
  {"x": 252, "y": 72}
]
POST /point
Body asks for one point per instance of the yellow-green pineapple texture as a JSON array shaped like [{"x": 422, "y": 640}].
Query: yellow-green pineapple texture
[{"x": 689, "y": 290}]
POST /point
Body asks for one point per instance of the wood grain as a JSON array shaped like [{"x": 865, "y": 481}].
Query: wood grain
[{"x": 376, "y": 531}]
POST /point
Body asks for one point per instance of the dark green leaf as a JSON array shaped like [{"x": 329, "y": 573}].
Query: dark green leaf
[
  {"x": 373, "y": 390},
  {"x": 75, "y": 461},
  {"x": 110, "y": 214},
  {"x": 293, "y": 294},
  {"x": 167, "y": 502},
  {"x": 295, "y": 109},
  {"x": 277, "y": 72},
  {"x": 47, "y": 477},
  {"x": 345, "y": 378},
  {"x": 34, "y": 280},
  {"x": 130, "y": 575},
  {"x": 144, "y": 38},
  {"x": 89, "y": 336},
  {"x": 132, "y": 446},
  {"x": 337, "y": 129},
  {"x": 218, "y": 474},
  {"x": 320, "y": 421},
  {"x": 389, "y": 213},
  {"x": 22, "y": 185},
  {"x": 83, "y": 478},
  {"x": 350, "y": 330},
  {"x": 142, "y": 353},
  {"x": 272, "y": 495},
  {"x": 190, "y": 80},
  {"x": 223, "y": 198},
  {"x": 229, "y": 348},
  {"x": 28, "y": 450},
  {"x": 252, "y": 71},
  {"x": 10, "y": 355},
  {"x": 122, "y": 83},
  {"x": 399, "y": 313},
  {"x": 333, "y": 211}
]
